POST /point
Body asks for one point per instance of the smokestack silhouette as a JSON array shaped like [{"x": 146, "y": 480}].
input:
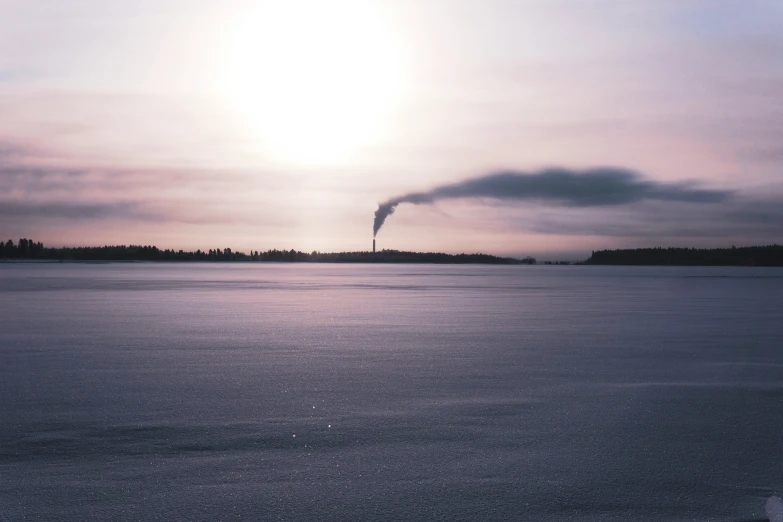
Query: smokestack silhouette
[
  {"x": 595, "y": 187},
  {"x": 373, "y": 245}
]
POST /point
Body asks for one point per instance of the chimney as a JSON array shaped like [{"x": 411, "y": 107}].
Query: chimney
[{"x": 373, "y": 245}]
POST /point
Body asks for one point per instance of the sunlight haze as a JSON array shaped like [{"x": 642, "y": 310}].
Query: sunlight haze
[{"x": 263, "y": 125}]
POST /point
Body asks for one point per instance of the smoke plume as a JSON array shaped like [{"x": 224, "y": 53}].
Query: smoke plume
[{"x": 575, "y": 188}]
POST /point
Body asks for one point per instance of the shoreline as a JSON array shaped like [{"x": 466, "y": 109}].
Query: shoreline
[{"x": 432, "y": 263}]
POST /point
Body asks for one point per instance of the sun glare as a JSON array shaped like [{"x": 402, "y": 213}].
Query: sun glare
[{"x": 316, "y": 80}]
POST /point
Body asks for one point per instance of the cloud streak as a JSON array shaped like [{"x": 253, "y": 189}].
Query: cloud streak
[
  {"x": 596, "y": 187},
  {"x": 737, "y": 221},
  {"x": 75, "y": 210}
]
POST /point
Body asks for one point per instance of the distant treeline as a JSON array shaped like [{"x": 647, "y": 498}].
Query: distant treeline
[
  {"x": 771, "y": 255},
  {"x": 29, "y": 249}
]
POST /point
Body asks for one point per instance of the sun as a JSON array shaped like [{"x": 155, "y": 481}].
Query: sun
[{"x": 315, "y": 80}]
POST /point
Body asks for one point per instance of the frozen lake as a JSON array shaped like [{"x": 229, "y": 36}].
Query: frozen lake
[{"x": 368, "y": 392}]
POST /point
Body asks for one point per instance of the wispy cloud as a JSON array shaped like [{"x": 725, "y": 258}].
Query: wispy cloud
[
  {"x": 37, "y": 194},
  {"x": 740, "y": 220},
  {"x": 47, "y": 210}
]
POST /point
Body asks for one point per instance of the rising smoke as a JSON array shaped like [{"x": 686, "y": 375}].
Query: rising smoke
[{"x": 575, "y": 188}]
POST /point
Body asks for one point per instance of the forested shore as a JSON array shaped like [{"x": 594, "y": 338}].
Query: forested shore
[
  {"x": 27, "y": 249},
  {"x": 769, "y": 255}
]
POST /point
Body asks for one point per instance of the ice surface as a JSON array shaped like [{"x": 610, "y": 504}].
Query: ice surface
[{"x": 173, "y": 392}]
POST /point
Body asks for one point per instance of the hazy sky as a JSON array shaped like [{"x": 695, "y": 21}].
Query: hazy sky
[{"x": 256, "y": 125}]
